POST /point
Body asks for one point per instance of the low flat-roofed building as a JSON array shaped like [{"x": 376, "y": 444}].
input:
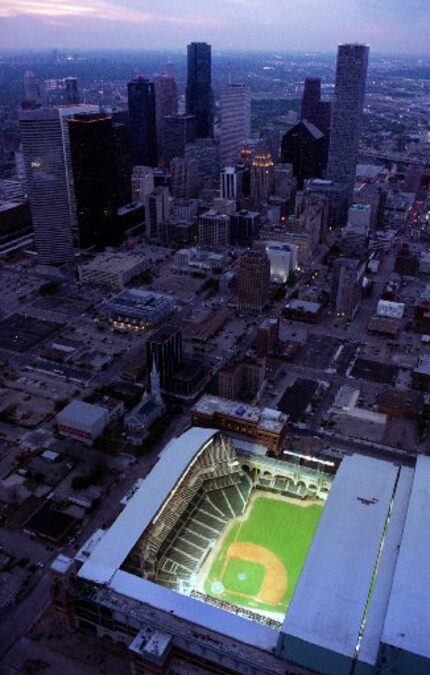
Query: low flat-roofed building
[
  {"x": 421, "y": 374},
  {"x": 346, "y": 398},
  {"x": 83, "y": 421},
  {"x": 112, "y": 269},
  {"x": 303, "y": 310},
  {"x": 394, "y": 310},
  {"x": 399, "y": 403},
  {"x": 136, "y": 309},
  {"x": 266, "y": 426},
  {"x": 384, "y": 325}
]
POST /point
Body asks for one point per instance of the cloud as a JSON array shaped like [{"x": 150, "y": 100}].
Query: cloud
[
  {"x": 388, "y": 25},
  {"x": 103, "y": 10}
]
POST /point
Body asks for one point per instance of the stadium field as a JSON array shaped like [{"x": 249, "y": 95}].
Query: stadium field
[{"x": 259, "y": 560}]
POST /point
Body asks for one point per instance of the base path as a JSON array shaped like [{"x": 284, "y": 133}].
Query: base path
[{"x": 274, "y": 584}]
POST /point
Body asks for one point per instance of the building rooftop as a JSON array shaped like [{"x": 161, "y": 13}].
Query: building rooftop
[
  {"x": 115, "y": 545},
  {"x": 391, "y": 309},
  {"x": 408, "y": 617},
  {"x": 84, "y": 413},
  {"x": 333, "y": 590},
  {"x": 113, "y": 262},
  {"x": 266, "y": 418}
]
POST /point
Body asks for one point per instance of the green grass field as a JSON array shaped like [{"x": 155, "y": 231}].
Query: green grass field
[{"x": 286, "y": 529}]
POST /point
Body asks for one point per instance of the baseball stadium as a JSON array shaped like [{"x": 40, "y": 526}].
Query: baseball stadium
[
  {"x": 233, "y": 530},
  {"x": 223, "y": 560}
]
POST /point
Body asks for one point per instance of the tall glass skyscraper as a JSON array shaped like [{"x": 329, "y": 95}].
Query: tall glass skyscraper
[
  {"x": 199, "y": 96},
  {"x": 47, "y": 185},
  {"x": 142, "y": 126},
  {"x": 92, "y": 152},
  {"x": 235, "y": 121},
  {"x": 347, "y": 113}
]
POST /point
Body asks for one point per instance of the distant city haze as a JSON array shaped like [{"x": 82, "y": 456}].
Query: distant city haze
[{"x": 390, "y": 26}]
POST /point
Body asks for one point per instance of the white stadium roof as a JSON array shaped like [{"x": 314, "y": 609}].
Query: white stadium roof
[
  {"x": 332, "y": 592},
  {"x": 114, "y": 547},
  {"x": 407, "y": 623}
]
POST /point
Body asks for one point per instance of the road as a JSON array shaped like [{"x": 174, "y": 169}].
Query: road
[{"x": 19, "y": 619}]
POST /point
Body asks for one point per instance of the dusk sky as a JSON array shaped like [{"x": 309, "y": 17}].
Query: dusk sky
[{"x": 387, "y": 25}]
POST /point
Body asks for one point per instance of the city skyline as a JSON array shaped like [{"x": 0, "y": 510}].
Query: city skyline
[{"x": 391, "y": 26}]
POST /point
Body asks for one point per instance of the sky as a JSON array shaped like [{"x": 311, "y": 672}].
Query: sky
[{"x": 390, "y": 26}]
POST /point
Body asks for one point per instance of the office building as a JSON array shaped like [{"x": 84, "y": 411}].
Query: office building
[
  {"x": 347, "y": 114},
  {"x": 178, "y": 130},
  {"x": 206, "y": 152},
  {"x": 242, "y": 380},
  {"x": 157, "y": 212},
  {"x": 66, "y": 113},
  {"x": 136, "y": 310},
  {"x": 142, "y": 126},
  {"x": 214, "y": 229},
  {"x": 199, "y": 96},
  {"x": 166, "y": 103},
  {"x": 335, "y": 195},
  {"x": 253, "y": 281},
  {"x": 231, "y": 180},
  {"x": 114, "y": 270},
  {"x": 346, "y": 286},
  {"x": 312, "y": 212},
  {"x": 270, "y": 139},
  {"x": 283, "y": 260},
  {"x": 47, "y": 185},
  {"x": 34, "y": 93},
  {"x": 305, "y": 147},
  {"x": 244, "y": 227},
  {"x": 265, "y": 426},
  {"x": 313, "y": 109},
  {"x": 72, "y": 92},
  {"x": 267, "y": 337},
  {"x": 185, "y": 178},
  {"x": 16, "y": 230},
  {"x": 94, "y": 179},
  {"x": 164, "y": 350},
  {"x": 262, "y": 177},
  {"x": 142, "y": 183},
  {"x": 235, "y": 121}
]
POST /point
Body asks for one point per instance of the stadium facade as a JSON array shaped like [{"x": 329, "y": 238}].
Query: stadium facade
[{"x": 361, "y": 602}]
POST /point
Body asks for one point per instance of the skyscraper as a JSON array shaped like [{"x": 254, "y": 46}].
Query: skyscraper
[
  {"x": 45, "y": 168},
  {"x": 199, "y": 96},
  {"x": 347, "y": 113},
  {"x": 33, "y": 91},
  {"x": 142, "y": 183},
  {"x": 142, "y": 126},
  {"x": 66, "y": 112},
  {"x": 72, "y": 93},
  {"x": 305, "y": 147},
  {"x": 166, "y": 103},
  {"x": 313, "y": 109},
  {"x": 346, "y": 286},
  {"x": 253, "y": 281},
  {"x": 262, "y": 177},
  {"x": 235, "y": 121},
  {"x": 231, "y": 182},
  {"x": 178, "y": 130},
  {"x": 94, "y": 177},
  {"x": 185, "y": 181}
]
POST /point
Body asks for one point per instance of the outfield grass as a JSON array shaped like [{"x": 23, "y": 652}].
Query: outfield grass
[{"x": 286, "y": 529}]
